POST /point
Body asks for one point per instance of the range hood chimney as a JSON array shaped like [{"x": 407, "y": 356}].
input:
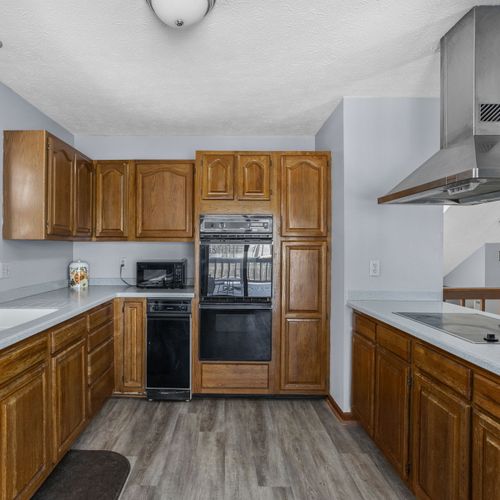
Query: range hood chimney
[{"x": 466, "y": 170}]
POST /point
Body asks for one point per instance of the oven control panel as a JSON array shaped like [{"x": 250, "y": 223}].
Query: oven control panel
[
  {"x": 236, "y": 224},
  {"x": 169, "y": 306}
]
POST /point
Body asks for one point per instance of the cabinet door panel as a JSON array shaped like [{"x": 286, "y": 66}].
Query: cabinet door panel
[
  {"x": 112, "y": 200},
  {"x": 441, "y": 435},
  {"x": 24, "y": 434},
  {"x": 69, "y": 394},
  {"x": 303, "y": 353},
  {"x": 60, "y": 161},
  {"x": 133, "y": 346},
  {"x": 254, "y": 177},
  {"x": 486, "y": 458},
  {"x": 304, "y": 277},
  {"x": 164, "y": 200},
  {"x": 363, "y": 380},
  {"x": 392, "y": 417},
  {"x": 83, "y": 197},
  {"x": 218, "y": 177},
  {"x": 304, "y": 195}
]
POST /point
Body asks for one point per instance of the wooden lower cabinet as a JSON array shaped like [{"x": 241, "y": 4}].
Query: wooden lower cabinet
[
  {"x": 363, "y": 380},
  {"x": 392, "y": 406},
  {"x": 485, "y": 457},
  {"x": 24, "y": 433},
  {"x": 132, "y": 346},
  {"x": 69, "y": 394},
  {"x": 441, "y": 430}
]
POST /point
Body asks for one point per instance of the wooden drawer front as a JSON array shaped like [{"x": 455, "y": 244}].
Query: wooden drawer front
[
  {"x": 67, "y": 334},
  {"x": 20, "y": 357},
  {"x": 100, "y": 335},
  {"x": 234, "y": 376},
  {"x": 487, "y": 394},
  {"x": 100, "y": 391},
  {"x": 364, "y": 327},
  {"x": 100, "y": 361},
  {"x": 99, "y": 316},
  {"x": 443, "y": 369},
  {"x": 394, "y": 341}
]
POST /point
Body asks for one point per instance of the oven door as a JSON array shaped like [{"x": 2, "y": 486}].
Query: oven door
[
  {"x": 235, "y": 332},
  {"x": 240, "y": 270}
]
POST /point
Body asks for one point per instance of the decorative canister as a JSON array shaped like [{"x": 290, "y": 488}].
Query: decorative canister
[{"x": 78, "y": 275}]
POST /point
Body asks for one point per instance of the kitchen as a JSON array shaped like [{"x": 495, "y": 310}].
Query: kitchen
[{"x": 276, "y": 239}]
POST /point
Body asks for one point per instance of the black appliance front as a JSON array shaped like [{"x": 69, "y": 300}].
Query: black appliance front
[
  {"x": 237, "y": 270},
  {"x": 235, "y": 332},
  {"x": 168, "y": 362},
  {"x": 161, "y": 274}
]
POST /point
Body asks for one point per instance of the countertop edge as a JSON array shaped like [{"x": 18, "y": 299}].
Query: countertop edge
[{"x": 419, "y": 332}]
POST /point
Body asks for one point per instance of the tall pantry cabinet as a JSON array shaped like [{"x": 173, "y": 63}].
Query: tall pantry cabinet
[{"x": 304, "y": 221}]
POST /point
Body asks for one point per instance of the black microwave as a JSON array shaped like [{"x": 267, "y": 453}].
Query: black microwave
[{"x": 162, "y": 274}]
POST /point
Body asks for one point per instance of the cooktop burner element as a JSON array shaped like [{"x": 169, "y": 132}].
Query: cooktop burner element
[{"x": 474, "y": 328}]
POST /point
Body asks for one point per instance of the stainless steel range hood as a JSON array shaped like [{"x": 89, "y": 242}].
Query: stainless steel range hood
[{"x": 466, "y": 170}]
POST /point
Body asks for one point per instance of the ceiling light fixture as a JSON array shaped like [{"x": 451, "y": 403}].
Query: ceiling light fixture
[{"x": 181, "y": 13}]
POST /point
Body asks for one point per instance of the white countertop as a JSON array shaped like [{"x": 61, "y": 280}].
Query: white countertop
[
  {"x": 486, "y": 356},
  {"x": 70, "y": 303}
]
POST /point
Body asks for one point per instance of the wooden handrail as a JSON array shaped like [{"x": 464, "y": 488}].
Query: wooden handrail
[{"x": 463, "y": 294}]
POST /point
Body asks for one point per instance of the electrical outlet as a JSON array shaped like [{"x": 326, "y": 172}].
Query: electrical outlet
[
  {"x": 374, "y": 268},
  {"x": 4, "y": 270},
  {"x": 123, "y": 262}
]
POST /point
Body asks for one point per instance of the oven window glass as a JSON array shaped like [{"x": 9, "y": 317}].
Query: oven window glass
[
  {"x": 231, "y": 334},
  {"x": 236, "y": 270}
]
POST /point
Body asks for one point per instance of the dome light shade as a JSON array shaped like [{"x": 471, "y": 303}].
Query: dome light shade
[{"x": 181, "y": 13}]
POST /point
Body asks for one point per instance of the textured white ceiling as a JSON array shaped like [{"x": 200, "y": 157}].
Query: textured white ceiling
[{"x": 252, "y": 67}]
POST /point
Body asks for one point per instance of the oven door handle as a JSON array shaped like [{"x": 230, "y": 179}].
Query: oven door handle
[
  {"x": 168, "y": 315},
  {"x": 237, "y": 306}
]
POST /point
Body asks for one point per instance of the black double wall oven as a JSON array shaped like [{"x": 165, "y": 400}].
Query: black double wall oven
[{"x": 236, "y": 278}]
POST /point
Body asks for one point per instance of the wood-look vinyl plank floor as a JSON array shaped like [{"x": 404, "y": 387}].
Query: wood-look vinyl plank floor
[{"x": 242, "y": 449}]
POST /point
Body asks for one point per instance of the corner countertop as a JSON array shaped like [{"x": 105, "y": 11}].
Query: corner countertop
[
  {"x": 486, "y": 356},
  {"x": 70, "y": 303}
]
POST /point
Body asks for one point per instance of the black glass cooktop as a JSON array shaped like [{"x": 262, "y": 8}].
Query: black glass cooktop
[{"x": 471, "y": 327}]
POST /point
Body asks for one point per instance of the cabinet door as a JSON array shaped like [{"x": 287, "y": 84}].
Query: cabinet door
[
  {"x": 392, "y": 417},
  {"x": 69, "y": 394},
  {"x": 304, "y": 195},
  {"x": 485, "y": 458},
  {"x": 24, "y": 434},
  {"x": 164, "y": 200},
  {"x": 60, "y": 171},
  {"x": 441, "y": 436},
  {"x": 218, "y": 177},
  {"x": 304, "y": 327},
  {"x": 254, "y": 177},
  {"x": 83, "y": 197},
  {"x": 363, "y": 380},
  {"x": 112, "y": 200},
  {"x": 134, "y": 327}
]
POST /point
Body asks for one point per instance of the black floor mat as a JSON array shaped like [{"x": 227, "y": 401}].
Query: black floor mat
[{"x": 86, "y": 475}]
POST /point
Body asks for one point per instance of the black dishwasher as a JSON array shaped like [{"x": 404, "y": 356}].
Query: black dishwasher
[{"x": 168, "y": 360}]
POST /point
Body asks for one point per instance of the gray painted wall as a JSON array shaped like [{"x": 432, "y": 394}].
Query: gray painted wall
[
  {"x": 379, "y": 141},
  {"x": 30, "y": 262}
]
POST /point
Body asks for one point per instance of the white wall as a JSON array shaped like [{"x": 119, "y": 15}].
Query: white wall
[
  {"x": 31, "y": 262},
  {"x": 104, "y": 258},
  {"x": 470, "y": 273},
  {"x": 384, "y": 139}
]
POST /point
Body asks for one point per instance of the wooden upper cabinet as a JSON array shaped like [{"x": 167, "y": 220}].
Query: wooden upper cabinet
[
  {"x": 218, "y": 177},
  {"x": 392, "y": 406},
  {"x": 84, "y": 172},
  {"x": 304, "y": 328},
  {"x": 164, "y": 199},
  {"x": 60, "y": 174},
  {"x": 24, "y": 433},
  {"x": 485, "y": 457},
  {"x": 254, "y": 177},
  {"x": 133, "y": 345},
  {"x": 363, "y": 380},
  {"x": 441, "y": 437},
  {"x": 112, "y": 199},
  {"x": 304, "y": 195}
]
